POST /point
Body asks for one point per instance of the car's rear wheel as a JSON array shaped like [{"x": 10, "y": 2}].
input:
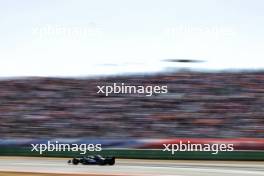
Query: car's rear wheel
[{"x": 111, "y": 161}]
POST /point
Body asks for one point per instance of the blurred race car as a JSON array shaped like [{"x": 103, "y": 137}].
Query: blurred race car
[{"x": 93, "y": 160}]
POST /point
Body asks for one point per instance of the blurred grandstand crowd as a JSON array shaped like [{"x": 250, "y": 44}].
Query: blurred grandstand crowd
[{"x": 224, "y": 104}]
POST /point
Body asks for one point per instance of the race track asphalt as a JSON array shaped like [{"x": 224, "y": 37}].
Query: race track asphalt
[{"x": 129, "y": 167}]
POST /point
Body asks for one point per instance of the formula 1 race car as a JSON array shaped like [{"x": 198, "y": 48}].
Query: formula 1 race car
[{"x": 93, "y": 160}]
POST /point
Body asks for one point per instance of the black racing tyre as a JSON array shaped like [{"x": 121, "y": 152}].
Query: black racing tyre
[
  {"x": 75, "y": 161},
  {"x": 112, "y": 161}
]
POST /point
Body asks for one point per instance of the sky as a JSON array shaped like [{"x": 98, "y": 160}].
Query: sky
[{"x": 88, "y": 37}]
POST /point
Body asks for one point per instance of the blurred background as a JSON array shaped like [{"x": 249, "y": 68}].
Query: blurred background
[
  {"x": 198, "y": 104},
  {"x": 209, "y": 53}
]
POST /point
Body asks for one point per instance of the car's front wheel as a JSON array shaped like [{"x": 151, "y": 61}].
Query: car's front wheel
[{"x": 75, "y": 161}]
